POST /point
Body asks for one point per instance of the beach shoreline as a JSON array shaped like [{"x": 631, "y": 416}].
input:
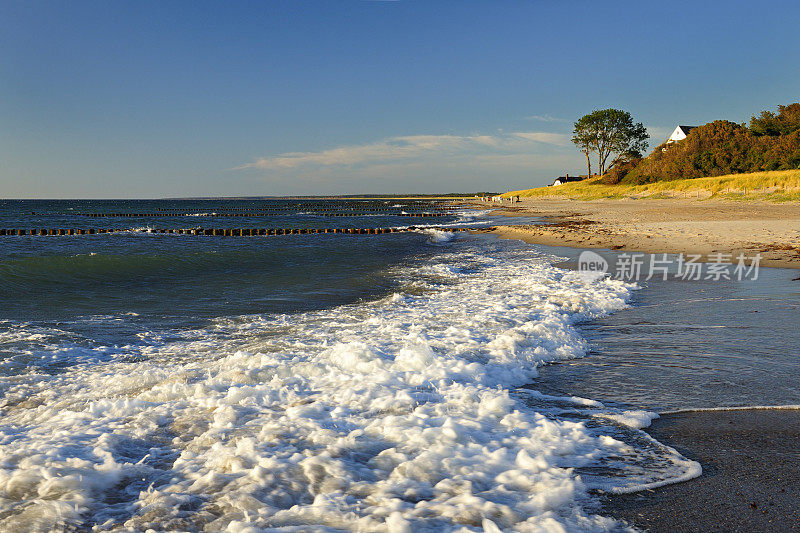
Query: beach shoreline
[
  {"x": 687, "y": 226},
  {"x": 750, "y": 479},
  {"x": 750, "y": 475},
  {"x": 244, "y": 353}
]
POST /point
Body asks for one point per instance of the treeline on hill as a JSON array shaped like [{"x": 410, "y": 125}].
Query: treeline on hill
[{"x": 771, "y": 142}]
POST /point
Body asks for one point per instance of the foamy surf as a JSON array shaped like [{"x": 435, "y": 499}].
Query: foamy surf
[{"x": 403, "y": 414}]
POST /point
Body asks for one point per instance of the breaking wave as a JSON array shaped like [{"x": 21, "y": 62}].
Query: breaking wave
[{"x": 414, "y": 412}]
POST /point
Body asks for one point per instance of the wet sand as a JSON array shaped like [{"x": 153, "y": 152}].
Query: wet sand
[
  {"x": 664, "y": 226},
  {"x": 750, "y": 481},
  {"x": 751, "y": 457}
]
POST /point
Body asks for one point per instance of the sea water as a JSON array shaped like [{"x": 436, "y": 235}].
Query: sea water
[
  {"x": 300, "y": 383},
  {"x": 691, "y": 344}
]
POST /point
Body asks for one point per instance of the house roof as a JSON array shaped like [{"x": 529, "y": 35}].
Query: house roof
[
  {"x": 679, "y": 133},
  {"x": 565, "y": 179}
]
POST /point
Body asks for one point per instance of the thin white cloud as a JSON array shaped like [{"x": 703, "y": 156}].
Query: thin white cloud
[
  {"x": 543, "y": 137},
  {"x": 546, "y": 118},
  {"x": 412, "y": 147}
]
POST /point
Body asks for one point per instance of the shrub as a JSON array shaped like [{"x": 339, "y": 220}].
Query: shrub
[
  {"x": 785, "y": 122},
  {"x": 619, "y": 171},
  {"x": 723, "y": 147}
]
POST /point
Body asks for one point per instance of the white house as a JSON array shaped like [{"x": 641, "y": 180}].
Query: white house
[
  {"x": 566, "y": 179},
  {"x": 680, "y": 134}
]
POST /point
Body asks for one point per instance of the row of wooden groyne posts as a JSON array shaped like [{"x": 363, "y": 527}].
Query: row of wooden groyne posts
[
  {"x": 222, "y": 232},
  {"x": 320, "y": 207},
  {"x": 315, "y": 210},
  {"x": 159, "y": 215}
]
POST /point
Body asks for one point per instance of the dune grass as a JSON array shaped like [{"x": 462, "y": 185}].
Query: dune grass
[{"x": 774, "y": 186}]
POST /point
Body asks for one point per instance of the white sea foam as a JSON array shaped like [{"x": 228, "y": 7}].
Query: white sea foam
[
  {"x": 473, "y": 214},
  {"x": 28, "y": 348},
  {"x": 396, "y": 415},
  {"x": 465, "y": 217},
  {"x": 634, "y": 419},
  {"x": 438, "y": 236}
]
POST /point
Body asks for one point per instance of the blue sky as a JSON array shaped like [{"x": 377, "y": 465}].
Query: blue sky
[{"x": 153, "y": 99}]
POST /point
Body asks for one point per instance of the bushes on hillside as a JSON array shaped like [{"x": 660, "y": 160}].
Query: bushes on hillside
[
  {"x": 620, "y": 170},
  {"x": 785, "y": 122},
  {"x": 722, "y": 147}
]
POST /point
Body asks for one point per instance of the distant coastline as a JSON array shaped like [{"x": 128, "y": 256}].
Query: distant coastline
[{"x": 405, "y": 196}]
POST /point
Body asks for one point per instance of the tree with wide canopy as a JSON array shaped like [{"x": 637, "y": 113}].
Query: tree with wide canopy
[{"x": 607, "y": 132}]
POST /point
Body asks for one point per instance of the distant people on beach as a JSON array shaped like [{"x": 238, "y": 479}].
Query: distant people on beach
[{"x": 499, "y": 199}]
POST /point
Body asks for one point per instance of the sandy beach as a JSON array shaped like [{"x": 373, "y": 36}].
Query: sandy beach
[
  {"x": 750, "y": 474},
  {"x": 749, "y": 457},
  {"x": 686, "y": 226}
]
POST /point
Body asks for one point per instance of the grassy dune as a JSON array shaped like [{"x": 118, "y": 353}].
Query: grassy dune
[{"x": 775, "y": 186}]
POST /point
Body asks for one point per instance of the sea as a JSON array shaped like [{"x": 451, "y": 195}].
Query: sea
[{"x": 418, "y": 380}]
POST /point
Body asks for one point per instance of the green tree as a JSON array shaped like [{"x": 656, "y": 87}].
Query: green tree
[
  {"x": 608, "y": 132},
  {"x": 785, "y": 122}
]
